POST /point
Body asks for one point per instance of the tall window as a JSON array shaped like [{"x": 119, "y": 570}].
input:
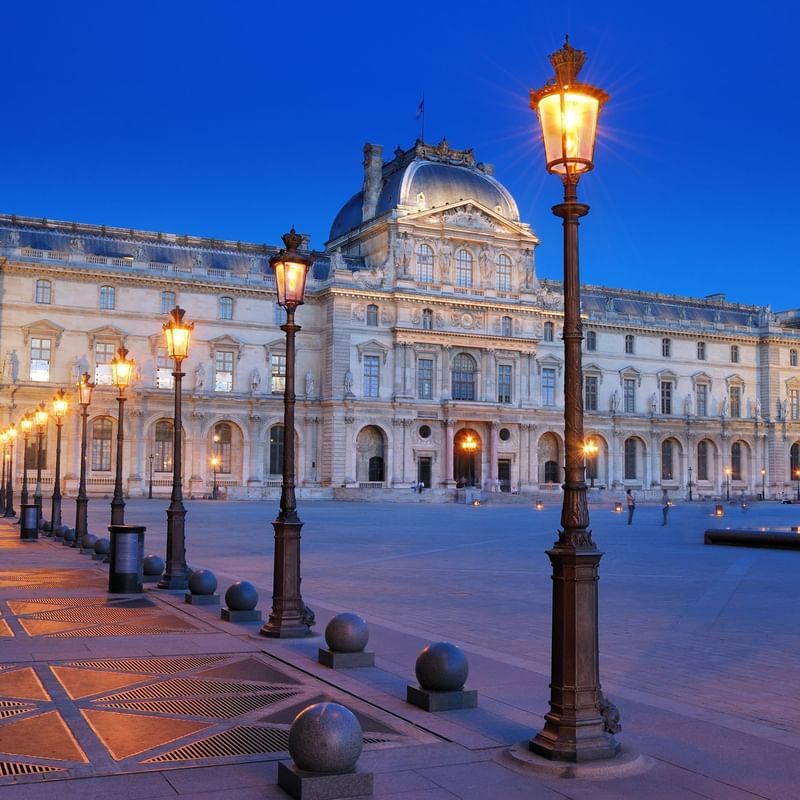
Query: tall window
[
  {"x": 40, "y": 359},
  {"x": 372, "y": 316},
  {"x": 549, "y": 331},
  {"x": 427, "y": 319},
  {"x": 793, "y": 358},
  {"x": 701, "y": 393},
  {"x": 424, "y": 264},
  {"x": 631, "y": 451},
  {"x": 667, "y": 455},
  {"x": 102, "y": 432},
  {"x": 548, "y": 387},
  {"x": 736, "y": 461},
  {"x": 590, "y": 393},
  {"x": 223, "y": 371},
  {"x": 666, "y": 347},
  {"x": 463, "y": 377},
  {"x": 794, "y": 404},
  {"x": 463, "y": 268},
  {"x": 504, "y": 383},
  {"x": 107, "y": 298},
  {"x": 276, "y": 450},
  {"x": 591, "y": 340},
  {"x": 164, "y": 444},
  {"x": 629, "y": 343},
  {"x": 372, "y": 376},
  {"x": 164, "y": 369},
  {"x": 794, "y": 460},
  {"x": 221, "y": 440},
  {"x": 701, "y": 351},
  {"x": 103, "y": 356},
  {"x": 735, "y": 401},
  {"x": 629, "y": 395},
  {"x": 506, "y": 326},
  {"x": 277, "y": 373},
  {"x": 425, "y": 379},
  {"x": 44, "y": 291},
  {"x": 734, "y": 354},
  {"x": 225, "y": 308},
  {"x": 503, "y": 273},
  {"x": 702, "y": 461},
  {"x": 666, "y": 397},
  {"x": 168, "y": 302}
]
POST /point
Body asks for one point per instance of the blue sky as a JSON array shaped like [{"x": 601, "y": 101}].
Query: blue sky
[{"x": 238, "y": 120}]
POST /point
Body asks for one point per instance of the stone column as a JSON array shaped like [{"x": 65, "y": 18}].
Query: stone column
[
  {"x": 445, "y": 376},
  {"x": 253, "y": 452},
  {"x": 449, "y": 436},
  {"x": 194, "y": 454},
  {"x": 136, "y": 468},
  {"x": 349, "y": 449},
  {"x": 494, "y": 427}
]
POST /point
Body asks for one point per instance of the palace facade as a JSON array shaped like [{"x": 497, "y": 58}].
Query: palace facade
[{"x": 430, "y": 351}]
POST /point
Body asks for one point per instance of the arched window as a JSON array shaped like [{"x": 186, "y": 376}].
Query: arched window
[
  {"x": 225, "y": 308},
  {"x": 506, "y": 326},
  {"x": 424, "y": 263},
  {"x": 667, "y": 456},
  {"x": 168, "y": 302},
  {"x": 549, "y": 331},
  {"x": 736, "y": 461},
  {"x": 164, "y": 444},
  {"x": 463, "y": 268},
  {"x": 503, "y": 273},
  {"x": 629, "y": 343},
  {"x": 102, "y": 433},
  {"x": 702, "y": 461},
  {"x": 794, "y": 460},
  {"x": 631, "y": 458},
  {"x": 276, "y": 450},
  {"x": 372, "y": 316},
  {"x": 591, "y": 340},
  {"x": 107, "y": 298},
  {"x": 427, "y": 319},
  {"x": 44, "y": 293},
  {"x": 222, "y": 445},
  {"x": 463, "y": 377},
  {"x": 550, "y": 472}
]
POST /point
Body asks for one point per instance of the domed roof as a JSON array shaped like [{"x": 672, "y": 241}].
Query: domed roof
[{"x": 427, "y": 177}]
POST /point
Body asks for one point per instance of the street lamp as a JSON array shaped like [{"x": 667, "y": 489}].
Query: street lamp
[
  {"x": 690, "y": 483},
  {"x": 121, "y": 374},
  {"x": 574, "y": 728},
  {"x": 59, "y": 410},
  {"x": 469, "y": 446},
  {"x": 4, "y": 479},
  {"x": 797, "y": 478},
  {"x": 150, "y": 488},
  {"x": 289, "y": 616},
  {"x": 40, "y": 417},
  {"x": 590, "y": 451},
  {"x": 728, "y": 472},
  {"x": 215, "y": 466},
  {"x": 178, "y": 334},
  {"x": 12, "y": 436},
  {"x": 85, "y": 388},
  {"x": 25, "y": 424},
  {"x": 763, "y": 483}
]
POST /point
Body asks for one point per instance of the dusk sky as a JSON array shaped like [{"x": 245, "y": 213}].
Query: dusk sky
[{"x": 237, "y": 120}]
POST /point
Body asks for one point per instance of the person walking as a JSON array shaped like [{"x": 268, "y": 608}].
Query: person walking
[
  {"x": 665, "y": 506},
  {"x": 631, "y": 500}
]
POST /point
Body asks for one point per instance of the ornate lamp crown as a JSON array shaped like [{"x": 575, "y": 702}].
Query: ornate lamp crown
[
  {"x": 567, "y": 63},
  {"x": 292, "y": 240}
]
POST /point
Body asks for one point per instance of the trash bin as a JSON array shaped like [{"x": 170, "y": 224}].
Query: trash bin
[
  {"x": 29, "y": 522},
  {"x": 126, "y": 559}
]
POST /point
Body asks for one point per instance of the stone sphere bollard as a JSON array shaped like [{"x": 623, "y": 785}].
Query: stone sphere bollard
[
  {"x": 69, "y": 535},
  {"x": 442, "y": 667},
  {"x": 203, "y": 582},
  {"x": 45, "y": 525},
  {"x": 325, "y": 737},
  {"x": 347, "y": 633},
  {"x": 241, "y": 596},
  {"x": 153, "y": 564},
  {"x": 102, "y": 547},
  {"x": 60, "y": 530},
  {"x": 88, "y": 541}
]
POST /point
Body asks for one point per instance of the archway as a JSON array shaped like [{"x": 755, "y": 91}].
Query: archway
[
  {"x": 370, "y": 448},
  {"x": 467, "y": 458},
  {"x": 550, "y": 458}
]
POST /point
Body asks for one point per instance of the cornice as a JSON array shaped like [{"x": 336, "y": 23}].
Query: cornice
[{"x": 453, "y": 339}]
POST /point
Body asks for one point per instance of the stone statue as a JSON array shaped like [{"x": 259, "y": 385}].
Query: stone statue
[
  {"x": 444, "y": 263},
  {"x": 653, "y": 403},
  {"x": 723, "y": 407},
  {"x": 758, "y": 408},
  {"x": 337, "y": 260},
  {"x": 77, "y": 370},
  {"x": 11, "y": 367},
  {"x": 687, "y": 405},
  {"x": 199, "y": 378},
  {"x": 614, "y": 401},
  {"x": 255, "y": 381},
  {"x": 485, "y": 264},
  {"x": 784, "y": 407},
  {"x": 309, "y": 384},
  {"x": 348, "y": 384}
]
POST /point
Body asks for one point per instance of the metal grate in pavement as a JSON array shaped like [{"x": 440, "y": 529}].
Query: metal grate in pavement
[
  {"x": 92, "y": 614},
  {"x": 218, "y": 707},
  {"x": 9, "y": 708},
  {"x": 181, "y": 687},
  {"x": 234, "y": 742},
  {"x": 166, "y": 666},
  {"x": 21, "y": 768},
  {"x": 121, "y": 630}
]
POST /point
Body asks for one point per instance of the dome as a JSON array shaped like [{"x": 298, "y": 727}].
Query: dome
[{"x": 427, "y": 177}]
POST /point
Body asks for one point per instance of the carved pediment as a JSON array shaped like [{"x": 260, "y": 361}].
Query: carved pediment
[
  {"x": 630, "y": 373},
  {"x": 43, "y": 328},
  {"x": 549, "y": 362},
  {"x": 372, "y": 347},
  {"x": 106, "y": 333},
  {"x": 701, "y": 378},
  {"x": 226, "y": 342},
  {"x": 471, "y": 215}
]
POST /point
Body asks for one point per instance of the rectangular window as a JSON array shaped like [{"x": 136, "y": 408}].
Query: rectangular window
[
  {"x": 735, "y": 398},
  {"x": 504, "y": 383},
  {"x": 503, "y": 273},
  {"x": 701, "y": 351},
  {"x": 278, "y": 383},
  {"x": 548, "y": 387},
  {"x": 666, "y": 397},
  {"x": 630, "y": 459},
  {"x": 103, "y": 356},
  {"x": 794, "y": 404},
  {"x": 279, "y": 315},
  {"x": 40, "y": 359},
  {"x": 629, "y": 344},
  {"x": 734, "y": 353},
  {"x": 225, "y": 308},
  {"x": 43, "y": 291},
  {"x": 164, "y": 367},
  {"x": 629, "y": 396},
  {"x": 372, "y": 376},
  {"x": 101, "y": 455},
  {"x": 223, "y": 371},
  {"x": 590, "y": 393},
  {"x": 666, "y": 348},
  {"x": 167, "y": 302},
  {"x": 702, "y": 400},
  {"x": 107, "y": 300},
  {"x": 425, "y": 379}
]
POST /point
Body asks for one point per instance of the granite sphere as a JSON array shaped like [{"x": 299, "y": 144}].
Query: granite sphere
[
  {"x": 442, "y": 667},
  {"x": 241, "y": 596},
  {"x": 69, "y": 535},
  {"x": 60, "y": 530},
  {"x": 153, "y": 564},
  {"x": 325, "y": 737},
  {"x": 88, "y": 540},
  {"x": 102, "y": 547},
  {"x": 45, "y": 525},
  {"x": 203, "y": 581},
  {"x": 347, "y": 633}
]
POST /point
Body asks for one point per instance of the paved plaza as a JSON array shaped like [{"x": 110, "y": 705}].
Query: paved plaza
[{"x": 147, "y": 697}]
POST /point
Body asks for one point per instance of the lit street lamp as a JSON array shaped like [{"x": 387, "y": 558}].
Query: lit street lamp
[
  {"x": 470, "y": 446},
  {"x": 40, "y": 417},
  {"x": 590, "y": 451},
  {"x": 797, "y": 478},
  {"x": 4, "y": 479},
  {"x": 150, "y": 488},
  {"x": 59, "y": 410},
  {"x": 178, "y": 334},
  {"x": 728, "y": 472},
  {"x": 215, "y": 467},
  {"x": 85, "y": 388},
  {"x": 289, "y": 616},
  {"x": 12, "y": 436},
  {"x": 690, "y": 484},
  {"x": 574, "y": 728},
  {"x": 763, "y": 483},
  {"x": 121, "y": 374},
  {"x": 25, "y": 424}
]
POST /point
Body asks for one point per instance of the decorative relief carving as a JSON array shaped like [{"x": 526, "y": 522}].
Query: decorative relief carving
[
  {"x": 468, "y": 320},
  {"x": 369, "y": 278},
  {"x": 357, "y": 311},
  {"x": 387, "y": 316}
]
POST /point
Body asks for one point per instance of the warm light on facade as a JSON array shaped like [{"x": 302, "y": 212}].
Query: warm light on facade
[
  {"x": 469, "y": 444},
  {"x": 291, "y": 270},
  {"x": 26, "y": 424}
]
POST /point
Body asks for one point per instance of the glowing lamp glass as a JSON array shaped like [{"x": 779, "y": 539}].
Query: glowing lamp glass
[
  {"x": 60, "y": 405},
  {"x": 121, "y": 369},
  {"x": 569, "y": 127},
  {"x": 539, "y": 505},
  {"x": 3, "y": 438},
  {"x": 85, "y": 389},
  {"x": 290, "y": 281},
  {"x": 12, "y": 434},
  {"x": 26, "y": 423},
  {"x": 40, "y": 416},
  {"x": 617, "y": 508},
  {"x": 178, "y": 334}
]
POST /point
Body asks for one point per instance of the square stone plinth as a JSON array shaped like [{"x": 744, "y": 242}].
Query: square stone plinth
[
  {"x": 87, "y": 551},
  {"x": 201, "y": 599},
  {"x": 151, "y": 578},
  {"x": 304, "y": 785},
  {"x": 429, "y": 700},
  {"x": 253, "y": 615},
  {"x": 99, "y": 556},
  {"x": 337, "y": 660}
]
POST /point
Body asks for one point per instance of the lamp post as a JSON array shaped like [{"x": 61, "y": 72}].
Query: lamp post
[
  {"x": 763, "y": 483},
  {"x": 797, "y": 478},
  {"x": 178, "y": 334},
  {"x": 12, "y": 436},
  {"x": 85, "y": 388},
  {"x": 289, "y": 616},
  {"x": 690, "y": 483},
  {"x": 59, "y": 410},
  {"x": 25, "y": 424},
  {"x": 215, "y": 467},
  {"x": 590, "y": 451},
  {"x": 728, "y": 472},
  {"x": 150, "y": 488},
  {"x": 40, "y": 416},
  {"x": 574, "y": 728},
  {"x": 121, "y": 373},
  {"x": 470, "y": 446},
  {"x": 4, "y": 479}
]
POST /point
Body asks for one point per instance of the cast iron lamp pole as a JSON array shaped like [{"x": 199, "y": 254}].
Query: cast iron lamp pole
[
  {"x": 178, "y": 334},
  {"x": 150, "y": 489},
  {"x": 690, "y": 484},
  {"x": 59, "y": 409},
  {"x": 121, "y": 373},
  {"x": 12, "y": 436},
  {"x": 574, "y": 728},
  {"x": 797, "y": 478},
  {"x": 40, "y": 416},
  {"x": 26, "y": 423},
  {"x": 763, "y": 483},
  {"x": 85, "y": 388},
  {"x": 4, "y": 479},
  {"x": 728, "y": 471},
  {"x": 289, "y": 616},
  {"x": 214, "y": 466}
]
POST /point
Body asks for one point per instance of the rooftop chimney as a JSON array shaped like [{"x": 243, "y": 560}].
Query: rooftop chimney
[{"x": 373, "y": 168}]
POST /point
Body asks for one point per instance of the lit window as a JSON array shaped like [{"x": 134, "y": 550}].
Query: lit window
[
  {"x": 506, "y": 326},
  {"x": 221, "y": 442},
  {"x": 666, "y": 459},
  {"x": 102, "y": 433},
  {"x": 701, "y": 351},
  {"x": 591, "y": 340},
  {"x": 631, "y": 452},
  {"x": 425, "y": 379},
  {"x": 549, "y": 331},
  {"x": 278, "y": 366},
  {"x": 463, "y": 377},
  {"x": 44, "y": 291},
  {"x": 372, "y": 316},
  {"x": 107, "y": 298},
  {"x": 424, "y": 264},
  {"x": 734, "y": 354},
  {"x": 223, "y": 371},
  {"x": 427, "y": 319},
  {"x": 164, "y": 369},
  {"x": 702, "y": 461},
  {"x": 735, "y": 401},
  {"x": 629, "y": 396},
  {"x": 225, "y": 308},
  {"x": 103, "y": 356},
  {"x": 590, "y": 393},
  {"x": 463, "y": 268},
  {"x": 40, "y": 359},
  {"x": 666, "y": 397},
  {"x": 629, "y": 344},
  {"x": 702, "y": 400},
  {"x": 666, "y": 347},
  {"x": 504, "y": 383},
  {"x": 168, "y": 302},
  {"x": 372, "y": 376},
  {"x": 276, "y": 450},
  {"x": 503, "y": 273},
  {"x": 548, "y": 387},
  {"x": 165, "y": 436}
]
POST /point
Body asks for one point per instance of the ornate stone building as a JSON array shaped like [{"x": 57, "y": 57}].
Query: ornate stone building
[{"x": 430, "y": 351}]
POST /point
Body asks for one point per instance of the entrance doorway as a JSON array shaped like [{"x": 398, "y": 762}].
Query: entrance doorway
[
  {"x": 467, "y": 458},
  {"x": 424, "y": 472},
  {"x": 504, "y": 474}
]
